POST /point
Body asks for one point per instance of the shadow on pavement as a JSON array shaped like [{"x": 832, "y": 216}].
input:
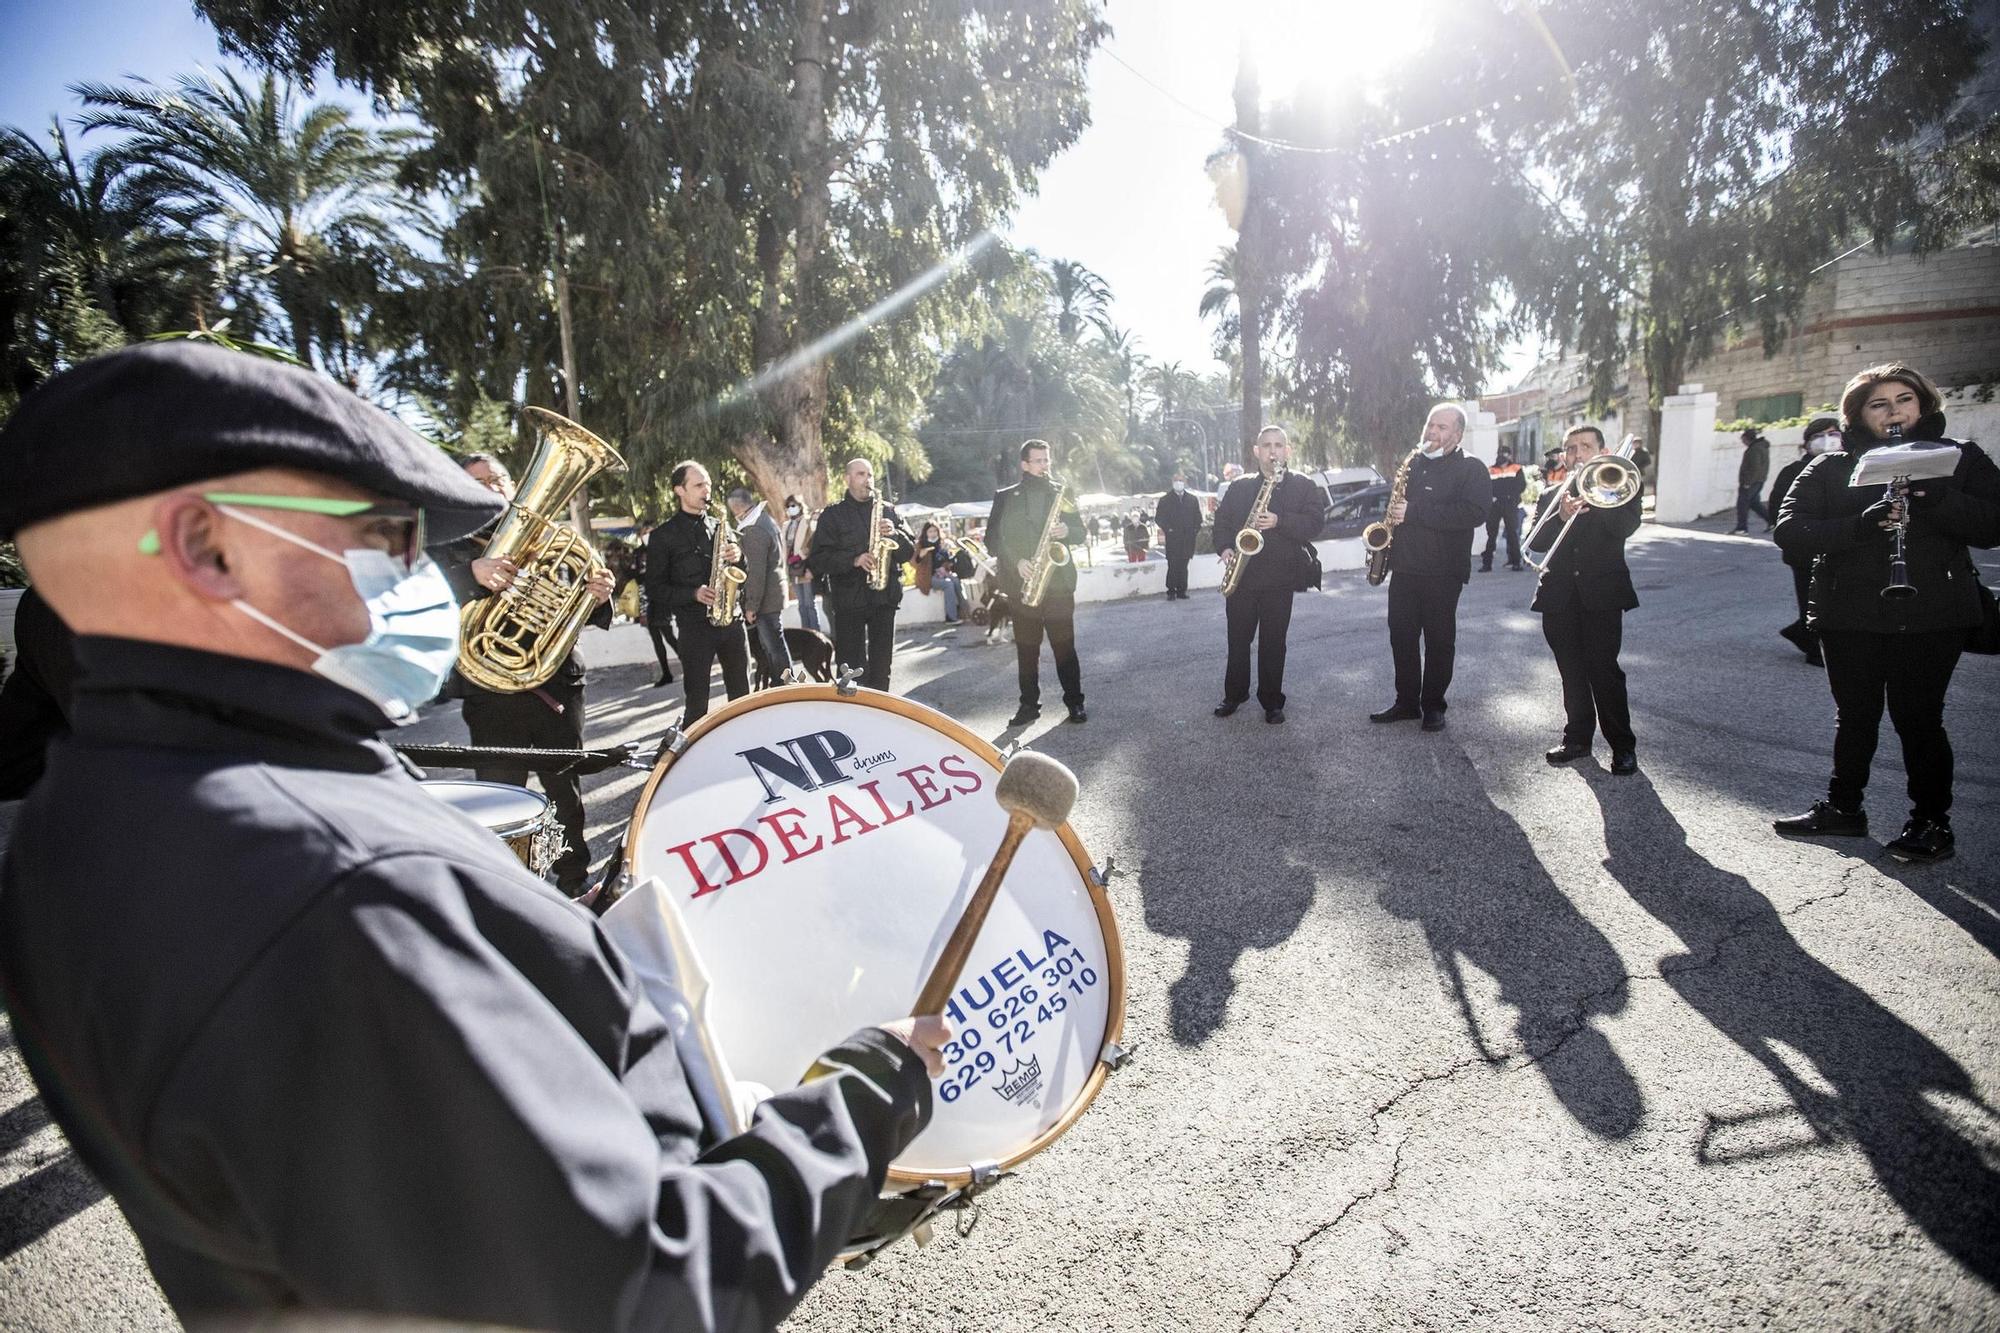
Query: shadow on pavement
[
  {"x": 1873, "y": 1080},
  {"x": 46, "y": 1197},
  {"x": 1554, "y": 967}
]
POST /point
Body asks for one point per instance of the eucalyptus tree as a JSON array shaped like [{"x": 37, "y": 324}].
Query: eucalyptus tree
[
  {"x": 742, "y": 198},
  {"x": 298, "y": 197}
]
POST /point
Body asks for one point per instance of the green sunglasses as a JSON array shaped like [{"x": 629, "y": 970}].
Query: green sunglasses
[{"x": 149, "y": 544}]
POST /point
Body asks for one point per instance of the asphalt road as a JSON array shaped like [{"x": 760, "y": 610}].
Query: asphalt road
[{"x": 1428, "y": 1035}]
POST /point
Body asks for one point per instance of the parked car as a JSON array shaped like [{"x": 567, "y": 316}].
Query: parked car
[{"x": 1348, "y": 514}]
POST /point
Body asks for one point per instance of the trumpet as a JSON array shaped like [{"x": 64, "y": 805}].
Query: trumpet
[{"x": 1603, "y": 482}]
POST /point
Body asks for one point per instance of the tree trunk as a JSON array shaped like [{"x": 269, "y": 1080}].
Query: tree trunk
[
  {"x": 792, "y": 459},
  {"x": 1249, "y": 254},
  {"x": 579, "y": 504}
]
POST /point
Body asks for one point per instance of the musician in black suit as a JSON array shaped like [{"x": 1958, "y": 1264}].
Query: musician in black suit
[
  {"x": 1014, "y": 534},
  {"x": 1584, "y": 593},
  {"x": 680, "y": 557},
  {"x": 843, "y": 558},
  {"x": 1260, "y": 608},
  {"x": 1179, "y": 517}
]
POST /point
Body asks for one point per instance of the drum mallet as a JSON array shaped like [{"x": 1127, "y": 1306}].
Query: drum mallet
[{"x": 1036, "y": 792}]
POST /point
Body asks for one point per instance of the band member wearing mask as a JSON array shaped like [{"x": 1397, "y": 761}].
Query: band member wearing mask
[
  {"x": 1020, "y": 516},
  {"x": 843, "y": 556},
  {"x": 336, "y": 1054},
  {"x": 1260, "y": 608},
  {"x": 548, "y": 717},
  {"x": 1179, "y": 517},
  {"x": 1901, "y": 650},
  {"x": 1584, "y": 593},
  {"x": 1430, "y": 562},
  {"x": 680, "y": 556},
  {"x": 1822, "y": 437},
  {"x": 1509, "y": 484},
  {"x": 798, "y": 544}
]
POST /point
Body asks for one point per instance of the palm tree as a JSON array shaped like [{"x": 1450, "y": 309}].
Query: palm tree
[
  {"x": 1127, "y": 368},
  {"x": 92, "y": 255},
  {"x": 301, "y": 197},
  {"x": 1219, "y": 301},
  {"x": 1081, "y": 297}
]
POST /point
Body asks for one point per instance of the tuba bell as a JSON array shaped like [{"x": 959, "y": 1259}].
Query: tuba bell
[{"x": 515, "y": 639}]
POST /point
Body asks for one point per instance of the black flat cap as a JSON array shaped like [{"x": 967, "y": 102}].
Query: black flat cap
[{"x": 158, "y": 415}]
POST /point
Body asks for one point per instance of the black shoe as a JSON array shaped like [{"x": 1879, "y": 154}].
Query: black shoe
[
  {"x": 1434, "y": 719},
  {"x": 1077, "y": 714},
  {"x": 1739, "y": 532},
  {"x": 1518, "y": 568},
  {"x": 1813, "y": 657},
  {"x": 1023, "y": 715},
  {"x": 1275, "y": 716},
  {"x": 1800, "y": 638},
  {"x": 1486, "y": 567},
  {"x": 1564, "y": 753},
  {"x": 1624, "y": 762},
  {"x": 1923, "y": 840},
  {"x": 1225, "y": 708},
  {"x": 1824, "y": 821},
  {"x": 1397, "y": 713},
  {"x": 663, "y": 682}
]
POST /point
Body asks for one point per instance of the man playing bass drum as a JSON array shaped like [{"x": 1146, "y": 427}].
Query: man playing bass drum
[
  {"x": 1020, "y": 516},
  {"x": 1583, "y": 596},
  {"x": 1260, "y": 607}
]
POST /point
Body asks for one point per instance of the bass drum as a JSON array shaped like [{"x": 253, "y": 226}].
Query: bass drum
[{"x": 820, "y": 848}]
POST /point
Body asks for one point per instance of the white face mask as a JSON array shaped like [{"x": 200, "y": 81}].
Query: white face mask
[
  {"x": 412, "y": 640},
  {"x": 1433, "y": 451},
  {"x": 792, "y": 510},
  {"x": 1825, "y": 443},
  {"x": 1180, "y": 488}
]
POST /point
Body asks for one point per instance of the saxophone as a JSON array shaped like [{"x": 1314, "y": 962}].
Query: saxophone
[
  {"x": 1249, "y": 541},
  {"x": 1049, "y": 553},
  {"x": 515, "y": 639},
  {"x": 1376, "y": 537},
  {"x": 882, "y": 548},
  {"x": 725, "y": 578}
]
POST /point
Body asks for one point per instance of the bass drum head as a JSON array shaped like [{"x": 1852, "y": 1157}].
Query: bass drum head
[{"x": 821, "y": 849}]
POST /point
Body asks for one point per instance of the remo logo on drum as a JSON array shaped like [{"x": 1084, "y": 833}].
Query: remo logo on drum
[{"x": 820, "y": 849}]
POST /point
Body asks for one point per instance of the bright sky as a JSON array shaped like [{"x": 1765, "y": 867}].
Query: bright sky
[{"x": 1130, "y": 200}]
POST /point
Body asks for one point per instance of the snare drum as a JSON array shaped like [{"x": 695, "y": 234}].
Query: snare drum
[
  {"x": 820, "y": 849},
  {"x": 518, "y": 817}
]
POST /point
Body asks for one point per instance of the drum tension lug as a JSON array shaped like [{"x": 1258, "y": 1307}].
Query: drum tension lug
[
  {"x": 845, "y": 683},
  {"x": 1114, "y": 1056},
  {"x": 1102, "y": 878}
]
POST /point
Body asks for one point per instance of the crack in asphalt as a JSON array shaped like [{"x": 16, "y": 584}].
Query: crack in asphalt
[
  {"x": 1299, "y": 1246},
  {"x": 1748, "y": 923},
  {"x": 1741, "y": 927}
]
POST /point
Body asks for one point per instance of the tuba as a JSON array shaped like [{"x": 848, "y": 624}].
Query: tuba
[
  {"x": 725, "y": 578},
  {"x": 515, "y": 639},
  {"x": 1049, "y": 553}
]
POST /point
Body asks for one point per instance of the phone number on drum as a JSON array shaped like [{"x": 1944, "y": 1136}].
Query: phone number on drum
[{"x": 1012, "y": 1021}]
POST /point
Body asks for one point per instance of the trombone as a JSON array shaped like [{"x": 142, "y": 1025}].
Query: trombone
[{"x": 1603, "y": 482}]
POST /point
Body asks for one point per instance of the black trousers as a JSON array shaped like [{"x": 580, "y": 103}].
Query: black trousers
[
  {"x": 1423, "y": 606},
  {"x": 1058, "y": 624},
  {"x": 864, "y": 638},
  {"x": 1911, "y": 672},
  {"x": 662, "y": 631},
  {"x": 1263, "y": 614},
  {"x": 702, "y": 644},
  {"x": 549, "y": 718},
  {"x": 1586, "y": 647},
  {"x": 1177, "y": 568},
  {"x": 1511, "y": 519}
]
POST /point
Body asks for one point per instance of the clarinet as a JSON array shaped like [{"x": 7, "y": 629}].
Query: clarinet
[{"x": 1900, "y": 586}]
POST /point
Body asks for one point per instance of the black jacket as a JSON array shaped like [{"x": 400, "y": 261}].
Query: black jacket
[
  {"x": 1300, "y": 508},
  {"x": 1756, "y": 464},
  {"x": 34, "y": 703},
  {"x": 1589, "y": 569},
  {"x": 1448, "y": 498},
  {"x": 1821, "y": 518},
  {"x": 1020, "y": 512},
  {"x": 1179, "y": 517},
  {"x": 454, "y": 561},
  {"x": 1788, "y": 474},
  {"x": 843, "y": 534},
  {"x": 679, "y": 557},
  {"x": 332, "y": 1047}
]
